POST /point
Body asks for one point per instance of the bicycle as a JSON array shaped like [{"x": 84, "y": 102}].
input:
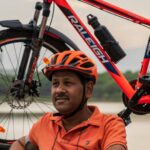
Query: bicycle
[{"x": 21, "y": 88}]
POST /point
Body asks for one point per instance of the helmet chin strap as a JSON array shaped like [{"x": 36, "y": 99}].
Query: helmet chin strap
[
  {"x": 84, "y": 99},
  {"x": 81, "y": 105},
  {"x": 79, "y": 108}
]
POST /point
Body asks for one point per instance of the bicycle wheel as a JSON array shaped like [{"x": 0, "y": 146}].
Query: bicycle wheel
[{"x": 18, "y": 115}]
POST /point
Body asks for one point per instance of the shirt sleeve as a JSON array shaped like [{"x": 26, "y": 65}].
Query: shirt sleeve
[
  {"x": 114, "y": 132},
  {"x": 36, "y": 129}
]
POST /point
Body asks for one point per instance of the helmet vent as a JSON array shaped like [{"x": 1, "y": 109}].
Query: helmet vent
[
  {"x": 74, "y": 61},
  {"x": 64, "y": 59},
  {"x": 87, "y": 65},
  {"x": 83, "y": 56},
  {"x": 54, "y": 59}
]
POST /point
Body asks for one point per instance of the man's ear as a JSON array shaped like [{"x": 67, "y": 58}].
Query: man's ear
[{"x": 89, "y": 89}]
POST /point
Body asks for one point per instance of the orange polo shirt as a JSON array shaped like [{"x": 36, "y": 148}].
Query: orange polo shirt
[{"x": 99, "y": 132}]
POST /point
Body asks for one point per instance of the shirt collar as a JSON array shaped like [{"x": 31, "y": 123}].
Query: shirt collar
[{"x": 95, "y": 118}]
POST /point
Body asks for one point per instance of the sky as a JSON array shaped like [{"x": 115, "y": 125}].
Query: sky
[{"x": 132, "y": 37}]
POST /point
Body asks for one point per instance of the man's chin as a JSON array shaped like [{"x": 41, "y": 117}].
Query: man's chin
[
  {"x": 65, "y": 113},
  {"x": 62, "y": 111}
]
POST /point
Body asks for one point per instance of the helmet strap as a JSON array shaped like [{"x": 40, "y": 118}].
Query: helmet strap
[
  {"x": 84, "y": 99},
  {"x": 81, "y": 105}
]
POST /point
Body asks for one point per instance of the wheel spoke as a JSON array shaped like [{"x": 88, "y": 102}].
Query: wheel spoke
[
  {"x": 4, "y": 70},
  {"x": 5, "y": 121},
  {"x": 19, "y": 55},
  {"x": 46, "y": 104},
  {"x": 33, "y": 115},
  {"x": 3, "y": 100},
  {"x": 10, "y": 61},
  {"x": 42, "y": 57},
  {"x": 41, "y": 60},
  {"x": 4, "y": 80}
]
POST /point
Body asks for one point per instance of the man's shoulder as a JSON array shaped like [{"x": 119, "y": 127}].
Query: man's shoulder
[
  {"x": 104, "y": 118},
  {"x": 113, "y": 121}
]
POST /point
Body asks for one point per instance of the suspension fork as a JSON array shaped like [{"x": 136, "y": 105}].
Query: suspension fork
[
  {"x": 27, "y": 50},
  {"x": 36, "y": 43}
]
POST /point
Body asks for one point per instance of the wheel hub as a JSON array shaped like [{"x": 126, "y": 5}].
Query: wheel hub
[{"x": 21, "y": 94}]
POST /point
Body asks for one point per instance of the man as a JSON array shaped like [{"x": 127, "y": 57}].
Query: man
[{"x": 76, "y": 126}]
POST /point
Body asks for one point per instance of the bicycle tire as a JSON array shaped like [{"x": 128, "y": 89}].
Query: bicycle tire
[{"x": 18, "y": 38}]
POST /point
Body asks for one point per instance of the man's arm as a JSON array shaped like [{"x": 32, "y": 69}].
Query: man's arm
[
  {"x": 21, "y": 144},
  {"x": 116, "y": 147}
]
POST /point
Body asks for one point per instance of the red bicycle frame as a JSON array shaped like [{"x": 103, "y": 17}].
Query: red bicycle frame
[{"x": 98, "y": 50}]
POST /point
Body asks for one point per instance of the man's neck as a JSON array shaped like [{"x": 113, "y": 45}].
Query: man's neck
[{"x": 77, "y": 118}]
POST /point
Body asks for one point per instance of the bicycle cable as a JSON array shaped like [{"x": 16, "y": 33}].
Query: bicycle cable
[{"x": 53, "y": 10}]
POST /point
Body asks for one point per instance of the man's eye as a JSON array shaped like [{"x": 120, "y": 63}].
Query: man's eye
[
  {"x": 68, "y": 82},
  {"x": 54, "y": 83}
]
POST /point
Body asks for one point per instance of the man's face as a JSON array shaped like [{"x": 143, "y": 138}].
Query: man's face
[{"x": 66, "y": 91}]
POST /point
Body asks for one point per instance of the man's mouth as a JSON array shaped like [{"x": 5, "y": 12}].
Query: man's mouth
[{"x": 61, "y": 99}]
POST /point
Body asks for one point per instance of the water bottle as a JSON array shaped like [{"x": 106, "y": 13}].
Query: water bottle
[{"x": 110, "y": 45}]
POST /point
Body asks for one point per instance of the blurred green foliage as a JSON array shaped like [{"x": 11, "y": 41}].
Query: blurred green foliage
[{"x": 105, "y": 89}]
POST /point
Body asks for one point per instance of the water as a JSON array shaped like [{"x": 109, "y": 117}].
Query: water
[{"x": 138, "y": 132}]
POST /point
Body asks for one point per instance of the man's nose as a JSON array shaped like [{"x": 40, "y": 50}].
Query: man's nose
[{"x": 61, "y": 88}]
